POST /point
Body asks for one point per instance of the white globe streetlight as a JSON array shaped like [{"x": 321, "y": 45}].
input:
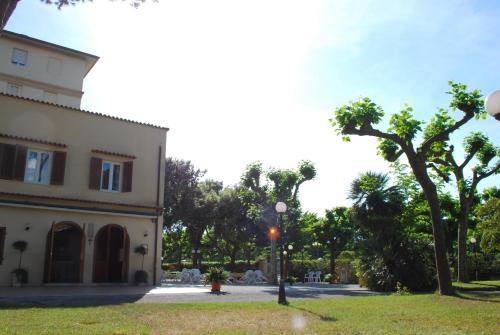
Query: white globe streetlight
[
  {"x": 492, "y": 104},
  {"x": 280, "y": 207},
  {"x": 290, "y": 247}
]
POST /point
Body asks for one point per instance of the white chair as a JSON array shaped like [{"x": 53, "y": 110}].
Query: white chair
[
  {"x": 308, "y": 277},
  {"x": 195, "y": 276},
  {"x": 185, "y": 276},
  {"x": 317, "y": 277},
  {"x": 249, "y": 277},
  {"x": 260, "y": 277}
]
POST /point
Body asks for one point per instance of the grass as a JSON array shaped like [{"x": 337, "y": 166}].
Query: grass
[
  {"x": 485, "y": 285},
  {"x": 414, "y": 314}
]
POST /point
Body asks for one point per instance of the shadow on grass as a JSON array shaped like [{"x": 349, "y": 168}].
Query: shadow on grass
[
  {"x": 484, "y": 296},
  {"x": 319, "y": 316}
]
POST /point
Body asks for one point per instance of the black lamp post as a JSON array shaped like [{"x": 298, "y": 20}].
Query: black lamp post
[
  {"x": 280, "y": 209},
  {"x": 473, "y": 250}
]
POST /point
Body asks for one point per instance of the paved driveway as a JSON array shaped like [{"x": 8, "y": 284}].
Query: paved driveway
[{"x": 171, "y": 293}]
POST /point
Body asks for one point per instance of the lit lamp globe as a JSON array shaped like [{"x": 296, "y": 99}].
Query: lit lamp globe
[
  {"x": 472, "y": 240},
  {"x": 492, "y": 104},
  {"x": 290, "y": 247},
  {"x": 280, "y": 207}
]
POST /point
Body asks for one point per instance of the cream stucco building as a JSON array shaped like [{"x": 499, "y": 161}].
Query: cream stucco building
[{"x": 82, "y": 189}]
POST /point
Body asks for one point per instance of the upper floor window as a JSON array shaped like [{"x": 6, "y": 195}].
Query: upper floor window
[
  {"x": 38, "y": 167},
  {"x": 13, "y": 89},
  {"x": 19, "y": 57},
  {"x": 18, "y": 162},
  {"x": 110, "y": 178}
]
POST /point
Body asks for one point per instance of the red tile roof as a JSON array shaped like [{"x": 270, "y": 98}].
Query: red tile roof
[
  {"x": 97, "y": 151},
  {"x": 84, "y": 111},
  {"x": 34, "y": 140}
]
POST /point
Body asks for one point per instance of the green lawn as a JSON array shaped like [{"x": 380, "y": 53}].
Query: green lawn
[
  {"x": 481, "y": 285},
  {"x": 415, "y": 314}
]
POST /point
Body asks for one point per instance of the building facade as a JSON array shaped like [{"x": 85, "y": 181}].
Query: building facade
[{"x": 84, "y": 190}]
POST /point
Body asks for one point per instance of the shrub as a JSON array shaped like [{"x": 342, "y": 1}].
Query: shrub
[
  {"x": 21, "y": 275},
  {"x": 216, "y": 275},
  {"x": 141, "y": 277}
]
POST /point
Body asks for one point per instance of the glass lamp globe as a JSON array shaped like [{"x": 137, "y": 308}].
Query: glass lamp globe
[
  {"x": 280, "y": 207},
  {"x": 472, "y": 240},
  {"x": 290, "y": 247},
  {"x": 492, "y": 104}
]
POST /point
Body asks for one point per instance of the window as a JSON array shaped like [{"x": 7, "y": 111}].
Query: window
[
  {"x": 37, "y": 167},
  {"x": 50, "y": 97},
  {"x": 13, "y": 89},
  {"x": 19, "y": 57},
  {"x": 110, "y": 176},
  {"x": 2, "y": 242}
]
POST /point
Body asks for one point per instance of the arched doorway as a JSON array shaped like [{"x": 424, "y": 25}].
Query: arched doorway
[
  {"x": 64, "y": 253},
  {"x": 111, "y": 248}
]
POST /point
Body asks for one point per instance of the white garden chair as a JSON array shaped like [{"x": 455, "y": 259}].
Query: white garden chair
[
  {"x": 317, "y": 277},
  {"x": 260, "y": 277},
  {"x": 195, "y": 276},
  {"x": 308, "y": 277},
  {"x": 249, "y": 277}
]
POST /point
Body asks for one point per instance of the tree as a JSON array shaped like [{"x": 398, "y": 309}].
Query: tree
[
  {"x": 489, "y": 227},
  {"x": 7, "y": 7},
  {"x": 358, "y": 118},
  {"x": 203, "y": 215},
  {"x": 388, "y": 251},
  {"x": 261, "y": 191},
  {"x": 335, "y": 232},
  {"x": 231, "y": 230},
  {"x": 443, "y": 162}
]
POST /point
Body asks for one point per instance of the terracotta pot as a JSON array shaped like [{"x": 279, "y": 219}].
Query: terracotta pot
[{"x": 215, "y": 287}]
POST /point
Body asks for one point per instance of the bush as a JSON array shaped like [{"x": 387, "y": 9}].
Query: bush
[
  {"x": 141, "y": 277},
  {"x": 216, "y": 275},
  {"x": 21, "y": 275}
]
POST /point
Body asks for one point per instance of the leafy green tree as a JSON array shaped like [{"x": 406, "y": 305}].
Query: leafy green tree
[
  {"x": 489, "y": 226},
  {"x": 443, "y": 163},
  {"x": 181, "y": 191},
  {"x": 388, "y": 252},
  {"x": 359, "y": 118},
  {"x": 335, "y": 232},
  {"x": 231, "y": 230}
]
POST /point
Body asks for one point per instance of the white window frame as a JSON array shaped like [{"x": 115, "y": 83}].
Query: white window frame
[
  {"x": 37, "y": 169},
  {"x": 14, "y": 60},
  {"x": 12, "y": 85},
  {"x": 111, "y": 175}
]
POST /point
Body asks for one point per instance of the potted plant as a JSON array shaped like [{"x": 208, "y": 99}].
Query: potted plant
[
  {"x": 216, "y": 276},
  {"x": 141, "y": 276},
  {"x": 19, "y": 275}
]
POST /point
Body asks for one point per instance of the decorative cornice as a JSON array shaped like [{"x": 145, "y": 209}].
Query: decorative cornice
[
  {"x": 33, "y": 140},
  {"x": 41, "y": 85}
]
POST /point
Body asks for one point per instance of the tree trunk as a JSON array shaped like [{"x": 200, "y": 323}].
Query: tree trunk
[
  {"x": 332, "y": 263},
  {"x": 430, "y": 192},
  {"x": 232, "y": 262},
  {"x": 463, "y": 223}
]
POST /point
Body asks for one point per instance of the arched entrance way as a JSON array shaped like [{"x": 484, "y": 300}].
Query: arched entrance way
[
  {"x": 111, "y": 248},
  {"x": 64, "y": 253}
]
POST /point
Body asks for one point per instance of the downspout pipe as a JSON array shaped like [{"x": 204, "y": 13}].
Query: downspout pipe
[{"x": 155, "y": 270}]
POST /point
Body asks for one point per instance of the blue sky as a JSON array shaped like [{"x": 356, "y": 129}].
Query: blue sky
[{"x": 239, "y": 81}]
